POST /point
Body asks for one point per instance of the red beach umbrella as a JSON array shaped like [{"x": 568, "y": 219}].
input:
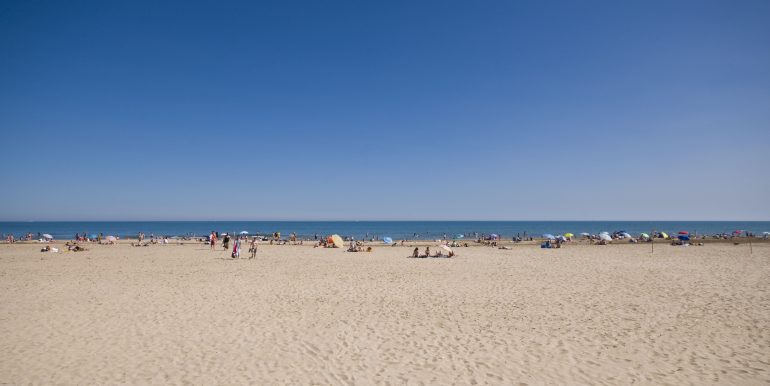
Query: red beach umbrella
[{"x": 684, "y": 233}]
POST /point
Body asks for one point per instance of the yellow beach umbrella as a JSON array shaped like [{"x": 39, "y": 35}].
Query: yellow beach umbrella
[
  {"x": 337, "y": 240},
  {"x": 570, "y": 235},
  {"x": 665, "y": 236}
]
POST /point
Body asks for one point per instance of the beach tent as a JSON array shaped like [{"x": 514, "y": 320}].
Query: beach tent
[
  {"x": 47, "y": 236},
  {"x": 387, "y": 240},
  {"x": 337, "y": 241},
  {"x": 664, "y": 234},
  {"x": 605, "y": 237},
  {"x": 549, "y": 236},
  {"x": 570, "y": 235}
]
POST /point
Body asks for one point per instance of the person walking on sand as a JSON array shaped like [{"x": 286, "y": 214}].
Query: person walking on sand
[
  {"x": 213, "y": 240},
  {"x": 236, "y": 249},
  {"x": 253, "y": 248},
  {"x": 226, "y": 242}
]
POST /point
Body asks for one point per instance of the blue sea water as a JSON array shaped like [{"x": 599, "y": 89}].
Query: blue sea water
[{"x": 373, "y": 229}]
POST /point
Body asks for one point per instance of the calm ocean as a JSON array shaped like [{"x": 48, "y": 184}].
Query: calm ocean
[{"x": 378, "y": 229}]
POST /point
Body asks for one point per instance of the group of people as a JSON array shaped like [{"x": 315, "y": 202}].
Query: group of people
[
  {"x": 439, "y": 253},
  {"x": 237, "y": 244},
  {"x": 357, "y": 246}
]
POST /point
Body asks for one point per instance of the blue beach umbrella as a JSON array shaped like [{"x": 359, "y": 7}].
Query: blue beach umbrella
[
  {"x": 387, "y": 240},
  {"x": 684, "y": 237}
]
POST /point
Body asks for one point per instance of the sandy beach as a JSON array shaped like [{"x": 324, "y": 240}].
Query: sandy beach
[{"x": 176, "y": 314}]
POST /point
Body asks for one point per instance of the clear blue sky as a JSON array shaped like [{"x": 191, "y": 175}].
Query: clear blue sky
[{"x": 385, "y": 110}]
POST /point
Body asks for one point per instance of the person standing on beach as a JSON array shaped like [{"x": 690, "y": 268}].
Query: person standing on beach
[
  {"x": 236, "y": 249},
  {"x": 213, "y": 240},
  {"x": 253, "y": 248}
]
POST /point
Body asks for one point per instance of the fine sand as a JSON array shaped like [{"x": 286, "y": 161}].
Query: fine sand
[{"x": 581, "y": 314}]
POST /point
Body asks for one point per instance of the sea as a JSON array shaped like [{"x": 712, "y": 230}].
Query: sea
[{"x": 397, "y": 230}]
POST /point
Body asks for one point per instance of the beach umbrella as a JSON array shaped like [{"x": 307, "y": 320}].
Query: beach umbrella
[
  {"x": 494, "y": 236},
  {"x": 664, "y": 234},
  {"x": 446, "y": 248},
  {"x": 604, "y": 233},
  {"x": 460, "y": 236},
  {"x": 562, "y": 238},
  {"x": 766, "y": 233},
  {"x": 47, "y": 236},
  {"x": 337, "y": 241},
  {"x": 244, "y": 232},
  {"x": 585, "y": 234},
  {"x": 737, "y": 232},
  {"x": 605, "y": 237},
  {"x": 646, "y": 236},
  {"x": 684, "y": 233},
  {"x": 684, "y": 237},
  {"x": 111, "y": 238},
  {"x": 549, "y": 236},
  {"x": 569, "y": 235},
  {"x": 626, "y": 235},
  {"x": 387, "y": 240}
]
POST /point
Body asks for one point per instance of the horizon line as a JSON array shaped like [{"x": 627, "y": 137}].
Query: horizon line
[{"x": 396, "y": 220}]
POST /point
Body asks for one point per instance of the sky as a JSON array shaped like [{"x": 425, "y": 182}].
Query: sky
[{"x": 390, "y": 110}]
